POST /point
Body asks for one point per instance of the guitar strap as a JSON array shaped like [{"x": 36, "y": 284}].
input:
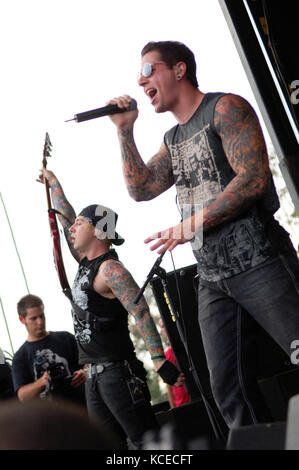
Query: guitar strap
[
  {"x": 82, "y": 314},
  {"x": 99, "y": 323}
]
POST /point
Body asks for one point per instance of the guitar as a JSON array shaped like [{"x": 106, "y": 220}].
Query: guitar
[{"x": 53, "y": 223}]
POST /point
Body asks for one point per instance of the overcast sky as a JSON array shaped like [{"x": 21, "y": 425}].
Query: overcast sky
[{"x": 63, "y": 57}]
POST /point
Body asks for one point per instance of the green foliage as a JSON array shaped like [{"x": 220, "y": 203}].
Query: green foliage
[
  {"x": 156, "y": 385},
  {"x": 286, "y": 215},
  {"x": 154, "y": 382}
]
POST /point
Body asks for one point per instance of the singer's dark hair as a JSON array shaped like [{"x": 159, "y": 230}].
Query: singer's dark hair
[{"x": 171, "y": 53}]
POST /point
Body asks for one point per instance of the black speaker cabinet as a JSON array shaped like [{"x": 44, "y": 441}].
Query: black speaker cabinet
[
  {"x": 268, "y": 436},
  {"x": 278, "y": 390},
  {"x": 190, "y": 421}
]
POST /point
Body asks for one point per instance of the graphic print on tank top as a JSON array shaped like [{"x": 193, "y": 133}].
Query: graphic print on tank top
[
  {"x": 195, "y": 172},
  {"x": 81, "y": 327},
  {"x": 200, "y": 177}
]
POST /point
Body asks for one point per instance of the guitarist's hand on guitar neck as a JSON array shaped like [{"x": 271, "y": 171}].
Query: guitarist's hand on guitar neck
[{"x": 49, "y": 176}]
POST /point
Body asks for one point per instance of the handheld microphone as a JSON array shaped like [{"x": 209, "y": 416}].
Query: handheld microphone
[{"x": 105, "y": 111}]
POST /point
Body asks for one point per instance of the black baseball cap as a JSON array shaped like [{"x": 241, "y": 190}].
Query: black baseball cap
[{"x": 104, "y": 219}]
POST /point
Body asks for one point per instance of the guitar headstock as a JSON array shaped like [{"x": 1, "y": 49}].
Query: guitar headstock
[{"x": 47, "y": 150}]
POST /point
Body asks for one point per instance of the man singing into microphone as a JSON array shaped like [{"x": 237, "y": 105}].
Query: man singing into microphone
[
  {"x": 102, "y": 295},
  {"x": 248, "y": 268}
]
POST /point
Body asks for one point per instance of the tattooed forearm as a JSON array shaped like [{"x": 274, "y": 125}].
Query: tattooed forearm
[
  {"x": 62, "y": 205},
  {"x": 123, "y": 286},
  {"x": 245, "y": 148},
  {"x": 67, "y": 215},
  {"x": 144, "y": 182}
]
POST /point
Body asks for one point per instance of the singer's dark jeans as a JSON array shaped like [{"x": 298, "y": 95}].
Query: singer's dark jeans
[
  {"x": 268, "y": 293},
  {"x": 109, "y": 401}
]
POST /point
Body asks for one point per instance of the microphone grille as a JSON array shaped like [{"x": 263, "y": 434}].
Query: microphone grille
[{"x": 133, "y": 104}]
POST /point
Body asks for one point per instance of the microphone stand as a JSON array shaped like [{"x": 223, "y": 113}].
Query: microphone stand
[
  {"x": 161, "y": 274},
  {"x": 150, "y": 275}
]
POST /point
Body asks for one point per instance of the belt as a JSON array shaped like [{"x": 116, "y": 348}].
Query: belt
[{"x": 93, "y": 369}]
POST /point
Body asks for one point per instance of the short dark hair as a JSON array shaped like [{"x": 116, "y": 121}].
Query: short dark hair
[
  {"x": 173, "y": 52},
  {"x": 28, "y": 301}
]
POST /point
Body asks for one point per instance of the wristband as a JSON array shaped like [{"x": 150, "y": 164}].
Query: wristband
[
  {"x": 154, "y": 358},
  {"x": 168, "y": 372}
]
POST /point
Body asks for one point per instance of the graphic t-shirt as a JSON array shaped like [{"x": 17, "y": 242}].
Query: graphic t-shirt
[{"x": 57, "y": 351}]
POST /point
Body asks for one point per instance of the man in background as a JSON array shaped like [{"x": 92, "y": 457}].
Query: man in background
[{"x": 46, "y": 365}]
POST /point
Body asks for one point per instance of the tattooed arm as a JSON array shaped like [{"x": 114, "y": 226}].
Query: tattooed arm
[
  {"x": 114, "y": 280},
  {"x": 62, "y": 205},
  {"x": 144, "y": 181},
  {"x": 245, "y": 149},
  {"x": 120, "y": 283}
]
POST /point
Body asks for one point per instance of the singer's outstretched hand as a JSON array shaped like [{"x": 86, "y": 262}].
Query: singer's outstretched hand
[
  {"x": 170, "y": 238},
  {"x": 123, "y": 121}
]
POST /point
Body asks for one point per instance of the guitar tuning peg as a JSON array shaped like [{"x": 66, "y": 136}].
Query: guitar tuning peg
[{"x": 48, "y": 140}]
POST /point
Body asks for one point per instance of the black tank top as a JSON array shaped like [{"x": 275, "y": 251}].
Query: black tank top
[
  {"x": 201, "y": 172},
  {"x": 102, "y": 332}
]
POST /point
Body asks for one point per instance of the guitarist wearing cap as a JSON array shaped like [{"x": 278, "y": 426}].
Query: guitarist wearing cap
[{"x": 103, "y": 293}]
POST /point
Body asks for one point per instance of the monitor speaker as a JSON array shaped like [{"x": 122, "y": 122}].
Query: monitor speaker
[
  {"x": 278, "y": 390},
  {"x": 268, "y": 436}
]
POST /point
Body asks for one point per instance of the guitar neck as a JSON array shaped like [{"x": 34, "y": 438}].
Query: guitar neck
[{"x": 48, "y": 195}]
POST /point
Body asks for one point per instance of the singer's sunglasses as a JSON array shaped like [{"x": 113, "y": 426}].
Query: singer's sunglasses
[{"x": 147, "y": 69}]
